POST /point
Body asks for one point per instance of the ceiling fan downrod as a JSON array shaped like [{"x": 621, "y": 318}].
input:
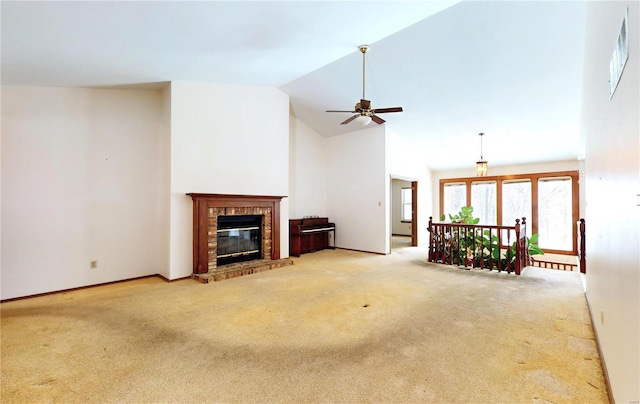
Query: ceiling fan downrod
[{"x": 363, "y": 49}]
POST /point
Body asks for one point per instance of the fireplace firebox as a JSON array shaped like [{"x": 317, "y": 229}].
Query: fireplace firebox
[{"x": 239, "y": 239}]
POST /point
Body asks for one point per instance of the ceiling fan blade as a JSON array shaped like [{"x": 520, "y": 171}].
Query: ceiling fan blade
[
  {"x": 365, "y": 104},
  {"x": 384, "y": 110},
  {"x": 349, "y": 120},
  {"x": 350, "y": 112},
  {"x": 377, "y": 119}
]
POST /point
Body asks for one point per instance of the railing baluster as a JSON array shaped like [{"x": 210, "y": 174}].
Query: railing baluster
[
  {"x": 473, "y": 247},
  {"x": 498, "y": 232},
  {"x": 518, "y": 248},
  {"x": 449, "y": 245},
  {"x": 483, "y": 248},
  {"x": 458, "y": 240},
  {"x": 466, "y": 245},
  {"x": 490, "y": 249}
]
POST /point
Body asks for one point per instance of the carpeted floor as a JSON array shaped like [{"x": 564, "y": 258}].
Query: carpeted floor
[{"x": 336, "y": 327}]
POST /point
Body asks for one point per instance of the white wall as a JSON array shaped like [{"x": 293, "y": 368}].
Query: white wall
[
  {"x": 219, "y": 145},
  {"x": 357, "y": 189},
  {"x": 548, "y": 166},
  {"x": 79, "y": 183},
  {"x": 406, "y": 162},
  {"x": 307, "y": 176},
  {"x": 397, "y": 226},
  {"x": 612, "y": 177},
  {"x": 344, "y": 178},
  {"x": 164, "y": 185}
]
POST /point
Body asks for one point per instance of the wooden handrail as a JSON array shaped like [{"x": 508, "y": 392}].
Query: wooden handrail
[{"x": 479, "y": 246}]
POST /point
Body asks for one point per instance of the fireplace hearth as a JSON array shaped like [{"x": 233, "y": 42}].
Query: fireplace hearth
[{"x": 235, "y": 235}]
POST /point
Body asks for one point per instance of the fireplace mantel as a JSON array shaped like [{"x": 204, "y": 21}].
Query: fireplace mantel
[{"x": 206, "y": 207}]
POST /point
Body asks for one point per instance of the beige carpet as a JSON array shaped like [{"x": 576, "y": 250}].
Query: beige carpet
[{"x": 336, "y": 327}]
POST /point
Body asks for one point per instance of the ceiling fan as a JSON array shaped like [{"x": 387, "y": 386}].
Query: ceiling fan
[{"x": 364, "y": 113}]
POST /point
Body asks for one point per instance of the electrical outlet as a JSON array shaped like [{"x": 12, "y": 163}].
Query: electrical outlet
[
  {"x": 93, "y": 264},
  {"x": 601, "y": 316}
]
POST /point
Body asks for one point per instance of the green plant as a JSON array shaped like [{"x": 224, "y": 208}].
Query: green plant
[
  {"x": 465, "y": 216},
  {"x": 462, "y": 242},
  {"x": 534, "y": 249}
]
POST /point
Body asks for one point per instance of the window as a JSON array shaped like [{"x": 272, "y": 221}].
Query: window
[
  {"x": 406, "y": 205},
  {"x": 549, "y": 202},
  {"x": 483, "y": 200},
  {"x": 555, "y": 223},
  {"x": 516, "y": 202},
  {"x": 455, "y": 197}
]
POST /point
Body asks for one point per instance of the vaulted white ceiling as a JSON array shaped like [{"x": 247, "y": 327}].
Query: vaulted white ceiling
[{"x": 510, "y": 69}]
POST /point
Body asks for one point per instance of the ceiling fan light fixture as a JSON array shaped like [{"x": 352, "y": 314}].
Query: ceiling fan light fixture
[{"x": 363, "y": 120}]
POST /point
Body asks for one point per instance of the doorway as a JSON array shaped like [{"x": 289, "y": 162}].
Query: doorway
[{"x": 404, "y": 212}]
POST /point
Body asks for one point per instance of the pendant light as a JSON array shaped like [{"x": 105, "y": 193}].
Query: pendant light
[{"x": 481, "y": 165}]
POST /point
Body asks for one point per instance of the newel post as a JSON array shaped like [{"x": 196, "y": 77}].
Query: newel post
[
  {"x": 583, "y": 258},
  {"x": 518, "y": 248},
  {"x": 527, "y": 257},
  {"x": 430, "y": 228}
]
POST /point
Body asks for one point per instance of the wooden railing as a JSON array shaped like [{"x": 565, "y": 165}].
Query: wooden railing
[
  {"x": 563, "y": 266},
  {"x": 501, "y": 248}
]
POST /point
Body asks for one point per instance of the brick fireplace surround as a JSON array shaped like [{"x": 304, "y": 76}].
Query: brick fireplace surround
[{"x": 207, "y": 208}]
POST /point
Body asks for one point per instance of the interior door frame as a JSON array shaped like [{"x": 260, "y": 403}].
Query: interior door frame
[
  {"x": 414, "y": 207},
  {"x": 414, "y": 213}
]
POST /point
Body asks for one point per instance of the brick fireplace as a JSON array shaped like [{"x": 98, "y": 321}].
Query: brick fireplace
[{"x": 208, "y": 208}]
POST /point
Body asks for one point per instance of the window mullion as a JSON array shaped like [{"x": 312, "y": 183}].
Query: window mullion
[
  {"x": 499, "y": 202},
  {"x": 534, "y": 206}
]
